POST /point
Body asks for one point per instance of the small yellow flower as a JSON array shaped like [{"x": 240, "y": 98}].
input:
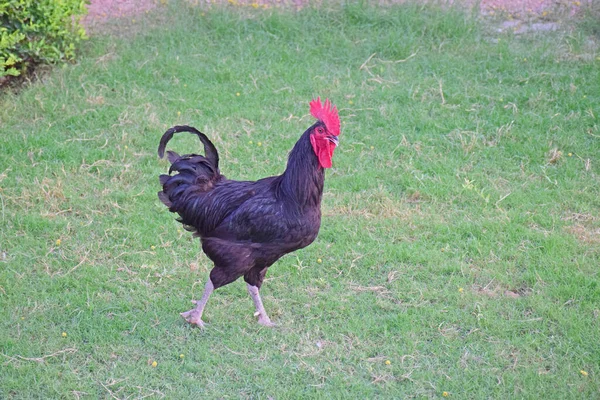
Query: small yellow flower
[
  {"x": 319, "y": 260},
  {"x": 570, "y": 154},
  {"x": 372, "y": 147},
  {"x": 525, "y": 59},
  {"x": 152, "y": 247},
  {"x": 126, "y": 147},
  {"x": 577, "y": 3},
  {"x": 388, "y": 362},
  {"x": 237, "y": 94},
  {"x": 350, "y": 102},
  {"x": 445, "y": 394},
  {"x": 64, "y": 334},
  {"x": 584, "y": 373},
  {"x": 22, "y": 318},
  {"x": 254, "y": 5},
  {"x": 250, "y": 142},
  {"x": 133, "y": 21},
  {"x": 178, "y": 113},
  {"x": 154, "y": 364},
  {"x": 185, "y": 85},
  {"x": 58, "y": 242},
  {"x": 181, "y": 356},
  {"x": 259, "y": 143},
  {"x": 461, "y": 290}
]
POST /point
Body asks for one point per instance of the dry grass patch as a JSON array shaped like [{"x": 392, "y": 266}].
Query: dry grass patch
[
  {"x": 585, "y": 227},
  {"x": 379, "y": 203}
]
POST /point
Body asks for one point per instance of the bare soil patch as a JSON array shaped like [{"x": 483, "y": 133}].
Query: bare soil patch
[{"x": 100, "y": 11}]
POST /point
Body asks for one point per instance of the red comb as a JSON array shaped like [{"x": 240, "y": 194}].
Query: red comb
[{"x": 326, "y": 114}]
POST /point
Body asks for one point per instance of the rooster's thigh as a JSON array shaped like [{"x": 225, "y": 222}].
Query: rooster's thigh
[
  {"x": 224, "y": 275},
  {"x": 256, "y": 275}
]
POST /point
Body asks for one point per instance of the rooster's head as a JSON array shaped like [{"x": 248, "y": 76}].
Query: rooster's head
[{"x": 325, "y": 132}]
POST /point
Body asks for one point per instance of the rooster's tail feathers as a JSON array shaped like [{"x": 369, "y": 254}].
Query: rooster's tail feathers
[
  {"x": 195, "y": 173},
  {"x": 165, "y": 199},
  {"x": 210, "y": 151}
]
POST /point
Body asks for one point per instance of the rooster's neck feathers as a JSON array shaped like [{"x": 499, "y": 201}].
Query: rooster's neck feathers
[{"x": 303, "y": 179}]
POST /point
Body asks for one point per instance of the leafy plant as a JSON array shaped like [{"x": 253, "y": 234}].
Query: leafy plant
[{"x": 38, "y": 31}]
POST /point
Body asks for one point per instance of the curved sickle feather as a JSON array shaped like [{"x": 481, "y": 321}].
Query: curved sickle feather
[{"x": 210, "y": 150}]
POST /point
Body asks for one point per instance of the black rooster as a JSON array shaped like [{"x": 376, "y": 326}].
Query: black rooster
[{"x": 246, "y": 226}]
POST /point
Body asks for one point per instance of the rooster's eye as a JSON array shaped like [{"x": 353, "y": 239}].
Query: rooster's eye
[{"x": 320, "y": 131}]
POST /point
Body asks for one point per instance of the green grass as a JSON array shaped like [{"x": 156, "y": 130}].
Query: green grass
[{"x": 461, "y": 231}]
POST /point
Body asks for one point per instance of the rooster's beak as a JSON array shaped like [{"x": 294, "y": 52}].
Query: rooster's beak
[{"x": 333, "y": 139}]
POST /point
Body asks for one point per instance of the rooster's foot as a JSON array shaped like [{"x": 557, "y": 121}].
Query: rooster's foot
[
  {"x": 194, "y": 317},
  {"x": 264, "y": 320}
]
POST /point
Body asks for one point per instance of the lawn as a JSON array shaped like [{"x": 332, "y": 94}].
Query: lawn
[{"x": 459, "y": 251}]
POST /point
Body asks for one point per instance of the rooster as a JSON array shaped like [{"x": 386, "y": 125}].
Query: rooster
[{"x": 245, "y": 226}]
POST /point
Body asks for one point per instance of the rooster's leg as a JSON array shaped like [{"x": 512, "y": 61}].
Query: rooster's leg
[
  {"x": 263, "y": 318},
  {"x": 194, "y": 316}
]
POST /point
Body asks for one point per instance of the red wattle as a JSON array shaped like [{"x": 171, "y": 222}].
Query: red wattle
[{"x": 323, "y": 149}]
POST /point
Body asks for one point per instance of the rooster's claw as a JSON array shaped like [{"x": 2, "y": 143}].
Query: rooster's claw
[
  {"x": 193, "y": 317},
  {"x": 265, "y": 321}
]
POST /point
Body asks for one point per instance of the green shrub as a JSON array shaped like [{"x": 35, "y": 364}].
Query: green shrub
[{"x": 38, "y": 31}]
